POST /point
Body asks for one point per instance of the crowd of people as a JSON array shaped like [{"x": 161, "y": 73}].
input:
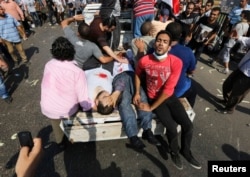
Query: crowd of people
[{"x": 151, "y": 74}]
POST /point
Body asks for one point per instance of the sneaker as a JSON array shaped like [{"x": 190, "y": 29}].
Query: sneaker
[
  {"x": 224, "y": 111},
  {"x": 8, "y": 99},
  {"x": 137, "y": 143},
  {"x": 148, "y": 135},
  {"x": 192, "y": 161},
  {"x": 176, "y": 160},
  {"x": 225, "y": 71}
]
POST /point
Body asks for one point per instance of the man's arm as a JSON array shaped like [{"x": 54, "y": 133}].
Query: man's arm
[
  {"x": 105, "y": 59},
  {"x": 110, "y": 52},
  {"x": 67, "y": 21}
]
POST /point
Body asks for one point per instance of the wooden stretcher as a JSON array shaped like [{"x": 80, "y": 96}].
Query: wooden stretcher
[{"x": 85, "y": 127}]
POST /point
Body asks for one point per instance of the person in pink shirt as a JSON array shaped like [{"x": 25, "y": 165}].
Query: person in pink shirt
[
  {"x": 13, "y": 9},
  {"x": 63, "y": 88}
]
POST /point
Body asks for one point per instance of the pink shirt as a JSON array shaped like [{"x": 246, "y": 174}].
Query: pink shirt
[
  {"x": 13, "y": 9},
  {"x": 63, "y": 86}
]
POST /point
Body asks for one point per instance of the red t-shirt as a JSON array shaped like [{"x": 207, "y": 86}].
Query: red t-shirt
[{"x": 161, "y": 76}]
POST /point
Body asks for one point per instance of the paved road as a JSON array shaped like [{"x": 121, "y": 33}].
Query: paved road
[{"x": 216, "y": 136}]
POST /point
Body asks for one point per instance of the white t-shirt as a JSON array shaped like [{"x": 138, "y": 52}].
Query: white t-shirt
[
  {"x": 30, "y": 4},
  {"x": 98, "y": 79}
]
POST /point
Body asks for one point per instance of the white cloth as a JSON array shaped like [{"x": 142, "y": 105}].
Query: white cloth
[{"x": 98, "y": 79}]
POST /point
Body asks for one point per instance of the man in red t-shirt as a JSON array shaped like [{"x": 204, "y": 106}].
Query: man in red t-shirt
[{"x": 161, "y": 72}]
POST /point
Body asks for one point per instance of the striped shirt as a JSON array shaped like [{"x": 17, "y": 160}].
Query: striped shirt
[
  {"x": 8, "y": 29},
  {"x": 234, "y": 15},
  {"x": 143, "y": 7}
]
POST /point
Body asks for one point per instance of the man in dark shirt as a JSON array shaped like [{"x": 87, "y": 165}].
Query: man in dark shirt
[
  {"x": 100, "y": 33},
  {"x": 187, "y": 20},
  {"x": 204, "y": 32},
  {"x": 51, "y": 10}
]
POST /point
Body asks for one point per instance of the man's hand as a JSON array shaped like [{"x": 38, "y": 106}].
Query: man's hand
[
  {"x": 28, "y": 160},
  {"x": 137, "y": 99},
  {"x": 79, "y": 17},
  {"x": 144, "y": 106},
  {"x": 140, "y": 44}
]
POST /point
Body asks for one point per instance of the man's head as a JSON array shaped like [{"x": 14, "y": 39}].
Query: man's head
[
  {"x": 62, "y": 49},
  {"x": 190, "y": 8},
  {"x": 162, "y": 42},
  {"x": 165, "y": 14},
  {"x": 214, "y": 14},
  {"x": 245, "y": 14},
  {"x": 104, "y": 103},
  {"x": 83, "y": 30},
  {"x": 109, "y": 24},
  {"x": 202, "y": 10},
  {"x": 175, "y": 29},
  {"x": 2, "y": 11},
  {"x": 243, "y": 3},
  {"x": 209, "y": 5},
  {"x": 146, "y": 28}
]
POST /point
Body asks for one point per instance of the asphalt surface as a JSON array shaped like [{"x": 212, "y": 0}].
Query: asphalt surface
[{"x": 216, "y": 136}]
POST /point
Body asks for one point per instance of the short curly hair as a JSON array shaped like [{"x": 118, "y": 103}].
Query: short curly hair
[{"x": 62, "y": 49}]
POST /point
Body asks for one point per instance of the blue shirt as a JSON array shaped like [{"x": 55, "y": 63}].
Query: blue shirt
[
  {"x": 189, "y": 62},
  {"x": 8, "y": 29},
  {"x": 234, "y": 15}
]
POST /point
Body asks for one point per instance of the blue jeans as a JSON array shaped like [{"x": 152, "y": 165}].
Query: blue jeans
[
  {"x": 3, "y": 92},
  {"x": 126, "y": 110},
  {"x": 137, "y": 23},
  {"x": 35, "y": 18}
]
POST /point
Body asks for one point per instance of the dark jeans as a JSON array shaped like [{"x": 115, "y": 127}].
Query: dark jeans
[
  {"x": 198, "y": 47},
  {"x": 171, "y": 113},
  {"x": 235, "y": 88},
  {"x": 190, "y": 94}
]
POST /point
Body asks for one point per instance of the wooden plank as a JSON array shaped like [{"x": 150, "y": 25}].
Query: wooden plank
[
  {"x": 96, "y": 127},
  {"x": 101, "y": 132}
]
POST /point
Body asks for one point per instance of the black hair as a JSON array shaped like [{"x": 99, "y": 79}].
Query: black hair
[
  {"x": 83, "y": 30},
  {"x": 62, "y": 49},
  {"x": 216, "y": 9},
  {"x": 105, "y": 110},
  {"x": 175, "y": 29},
  {"x": 110, "y": 21},
  {"x": 191, "y": 3},
  {"x": 210, "y": 1},
  {"x": 165, "y": 32},
  {"x": 246, "y": 15},
  {"x": 146, "y": 27}
]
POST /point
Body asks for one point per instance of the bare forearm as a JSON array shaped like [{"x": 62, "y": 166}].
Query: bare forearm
[
  {"x": 67, "y": 21},
  {"x": 158, "y": 101},
  {"x": 110, "y": 52}
]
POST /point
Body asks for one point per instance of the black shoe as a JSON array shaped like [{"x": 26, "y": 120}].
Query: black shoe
[
  {"x": 148, "y": 135},
  {"x": 137, "y": 143},
  {"x": 8, "y": 99},
  {"x": 224, "y": 111},
  {"x": 176, "y": 160},
  {"x": 192, "y": 161}
]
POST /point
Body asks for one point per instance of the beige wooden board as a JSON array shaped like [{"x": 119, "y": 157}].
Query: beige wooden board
[{"x": 100, "y": 132}]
